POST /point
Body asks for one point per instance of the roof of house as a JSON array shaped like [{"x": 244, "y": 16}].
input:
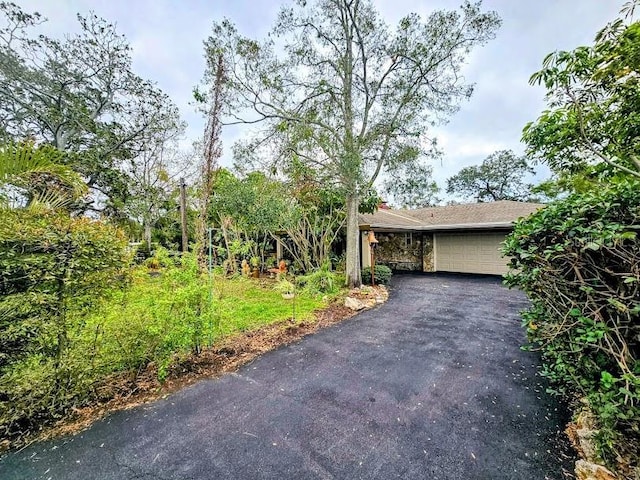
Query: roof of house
[{"x": 500, "y": 214}]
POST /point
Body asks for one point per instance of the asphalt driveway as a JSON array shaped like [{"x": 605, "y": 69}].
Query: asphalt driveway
[{"x": 431, "y": 385}]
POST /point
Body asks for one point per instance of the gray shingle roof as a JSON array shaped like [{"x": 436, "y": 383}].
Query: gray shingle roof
[{"x": 470, "y": 215}]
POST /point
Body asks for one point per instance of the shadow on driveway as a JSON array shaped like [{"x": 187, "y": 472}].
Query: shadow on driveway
[{"x": 431, "y": 385}]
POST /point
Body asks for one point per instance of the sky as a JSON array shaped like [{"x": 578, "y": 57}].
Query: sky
[{"x": 167, "y": 37}]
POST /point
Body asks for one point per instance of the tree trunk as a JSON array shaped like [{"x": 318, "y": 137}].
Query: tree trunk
[
  {"x": 212, "y": 153},
  {"x": 183, "y": 215},
  {"x": 201, "y": 231},
  {"x": 353, "y": 237},
  {"x": 147, "y": 234}
]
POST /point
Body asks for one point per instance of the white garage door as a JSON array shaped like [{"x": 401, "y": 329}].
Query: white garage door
[{"x": 469, "y": 253}]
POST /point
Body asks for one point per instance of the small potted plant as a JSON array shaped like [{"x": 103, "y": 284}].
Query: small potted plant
[{"x": 286, "y": 289}]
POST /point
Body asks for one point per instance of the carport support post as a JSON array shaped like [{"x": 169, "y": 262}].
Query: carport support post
[
  {"x": 373, "y": 241},
  {"x": 365, "y": 252}
]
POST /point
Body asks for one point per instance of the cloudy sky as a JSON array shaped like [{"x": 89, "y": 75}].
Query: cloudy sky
[{"x": 167, "y": 35}]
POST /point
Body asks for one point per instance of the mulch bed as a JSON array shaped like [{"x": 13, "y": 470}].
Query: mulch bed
[{"x": 126, "y": 390}]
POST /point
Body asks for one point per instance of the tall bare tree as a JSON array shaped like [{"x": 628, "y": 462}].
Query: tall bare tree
[
  {"x": 154, "y": 176},
  {"x": 212, "y": 153}
]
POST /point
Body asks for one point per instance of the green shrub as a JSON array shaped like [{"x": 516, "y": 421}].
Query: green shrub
[
  {"x": 164, "y": 258},
  {"x": 322, "y": 281},
  {"x": 578, "y": 260},
  {"x": 154, "y": 319},
  {"x": 54, "y": 270},
  {"x": 382, "y": 275},
  {"x": 285, "y": 287}
]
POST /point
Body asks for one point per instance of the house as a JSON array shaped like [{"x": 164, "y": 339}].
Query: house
[{"x": 457, "y": 238}]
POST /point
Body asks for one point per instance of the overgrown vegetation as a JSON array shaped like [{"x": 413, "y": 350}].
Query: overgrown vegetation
[
  {"x": 54, "y": 270},
  {"x": 145, "y": 320},
  {"x": 75, "y": 315},
  {"x": 578, "y": 260}
]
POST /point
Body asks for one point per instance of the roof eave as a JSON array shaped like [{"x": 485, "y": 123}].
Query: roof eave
[
  {"x": 469, "y": 226},
  {"x": 426, "y": 228}
]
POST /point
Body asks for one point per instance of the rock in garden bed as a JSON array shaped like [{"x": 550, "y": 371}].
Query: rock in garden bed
[{"x": 366, "y": 297}]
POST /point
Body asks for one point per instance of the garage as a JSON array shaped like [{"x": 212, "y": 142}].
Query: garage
[
  {"x": 477, "y": 252},
  {"x": 464, "y": 238}
]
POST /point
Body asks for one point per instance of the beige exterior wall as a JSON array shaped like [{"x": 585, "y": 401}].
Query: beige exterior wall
[{"x": 365, "y": 249}]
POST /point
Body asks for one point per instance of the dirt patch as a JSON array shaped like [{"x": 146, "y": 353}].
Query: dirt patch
[{"x": 126, "y": 390}]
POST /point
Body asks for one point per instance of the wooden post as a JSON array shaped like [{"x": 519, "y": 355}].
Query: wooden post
[
  {"x": 183, "y": 215},
  {"x": 372, "y": 246},
  {"x": 373, "y": 266}
]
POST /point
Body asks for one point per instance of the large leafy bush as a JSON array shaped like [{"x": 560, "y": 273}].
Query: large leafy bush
[
  {"x": 578, "y": 260},
  {"x": 53, "y": 270}
]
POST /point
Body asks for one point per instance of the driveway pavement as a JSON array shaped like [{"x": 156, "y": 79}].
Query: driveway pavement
[{"x": 431, "y": 385}]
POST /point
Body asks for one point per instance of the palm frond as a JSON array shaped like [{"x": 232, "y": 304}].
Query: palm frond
[{"x": 40, "y": 172}]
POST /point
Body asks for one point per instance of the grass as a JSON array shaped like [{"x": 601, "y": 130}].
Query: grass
[
  {"x": 240, "y": 304},
  {"x": 179, "y": 312}
]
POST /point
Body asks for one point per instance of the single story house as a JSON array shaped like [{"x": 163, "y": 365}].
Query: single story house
[{"x": 457, "y": 238}]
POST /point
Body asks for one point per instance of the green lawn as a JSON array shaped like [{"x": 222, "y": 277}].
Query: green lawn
[
  {"x": 178, "y": 312},
  {"x": 243, "y": 304}
]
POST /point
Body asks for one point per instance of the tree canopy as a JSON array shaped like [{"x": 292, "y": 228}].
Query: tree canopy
[
  {"x": 411, "y": 186},
  {"x": 594, "y": 103},
  {"x": 80, "y": 95},
  {"x": 334, "y": 87},
  {"x": 501, "y": 176}
]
